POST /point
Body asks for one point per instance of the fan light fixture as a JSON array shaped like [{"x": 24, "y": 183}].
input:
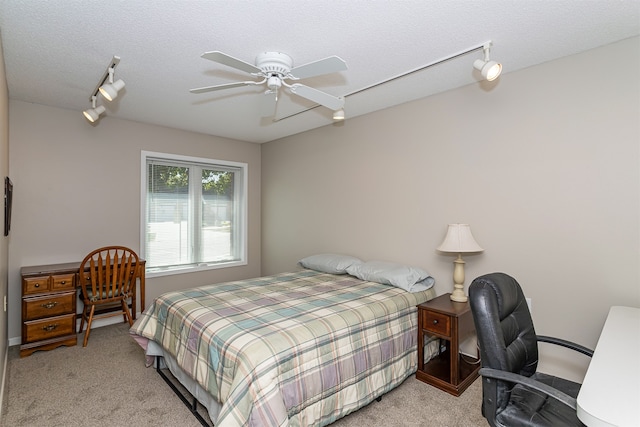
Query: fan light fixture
[
  {"x": 338, "y": 115},
  {"x": 93, "y": 113},
  {"x": 275, "y": 69},
  {"x": 489, "y": 69},
  {"x": 109, "y": 91}
]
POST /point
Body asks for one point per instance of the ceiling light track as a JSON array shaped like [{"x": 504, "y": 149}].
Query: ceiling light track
[
  {"x": 107, "y": 88},
  {"x": 491, "y": 69}
]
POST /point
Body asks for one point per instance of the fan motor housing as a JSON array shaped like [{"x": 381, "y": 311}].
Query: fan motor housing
[{"x": 274, "y": 63}]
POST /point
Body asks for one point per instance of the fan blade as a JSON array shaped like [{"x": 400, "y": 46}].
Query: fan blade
[
  {"x": 322, "y": 98},
  {"x": 220, "y": 87},
  {"x": 332, "y": 64},
  {"x": 230, "y": 61}
]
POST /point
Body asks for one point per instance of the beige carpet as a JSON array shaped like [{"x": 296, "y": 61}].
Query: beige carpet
[{"x": 106, "y": 384}]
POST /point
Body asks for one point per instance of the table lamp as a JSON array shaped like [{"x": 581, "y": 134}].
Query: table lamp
[{"x": 459, "y": 240}]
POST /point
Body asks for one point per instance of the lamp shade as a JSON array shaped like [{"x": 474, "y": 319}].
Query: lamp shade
[{"x": 459, "y": 240}]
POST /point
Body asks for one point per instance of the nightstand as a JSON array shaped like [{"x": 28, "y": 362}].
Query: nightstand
[{"x": 447, "y": 323}]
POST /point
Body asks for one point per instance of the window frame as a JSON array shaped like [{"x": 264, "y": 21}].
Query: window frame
[{"x": 242, "y": 238}]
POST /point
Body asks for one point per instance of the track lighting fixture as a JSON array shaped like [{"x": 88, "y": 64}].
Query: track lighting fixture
[
  {"x": 110, "y": 90},
  {"x": 93, "y": 113},
  {"x": 489, "y": 69},
  {"x": 107, "y": 88}
]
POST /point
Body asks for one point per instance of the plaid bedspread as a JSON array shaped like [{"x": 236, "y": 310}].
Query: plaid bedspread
[{"x": 299, "y": 348}]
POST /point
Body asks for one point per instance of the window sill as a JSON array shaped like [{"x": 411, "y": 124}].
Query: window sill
[{"x": 159, "y": 272}]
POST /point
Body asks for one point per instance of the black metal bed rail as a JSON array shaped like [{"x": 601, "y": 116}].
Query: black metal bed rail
[{"x": 193, "y": 405}]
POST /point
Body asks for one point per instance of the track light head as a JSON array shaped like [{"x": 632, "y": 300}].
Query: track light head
[
  {"x": 338, "y": 115},
  {"x": 489, "y": 69},
  {"x": 110, "y": 90},
  {"x": 93, "y": 113}
]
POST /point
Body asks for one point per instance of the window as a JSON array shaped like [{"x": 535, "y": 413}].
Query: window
[{"x": 193, "y": 213}]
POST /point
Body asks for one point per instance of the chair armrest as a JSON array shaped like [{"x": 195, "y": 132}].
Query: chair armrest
[
  {"x": 564, "y": 343},
  {"x": 528, "y": 382}
]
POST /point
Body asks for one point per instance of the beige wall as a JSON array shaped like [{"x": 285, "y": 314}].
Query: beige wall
[
  {"x": 4, "y": 243},
  {"x": 544, "y": 165},
  {"x": 77, "y": 187}
]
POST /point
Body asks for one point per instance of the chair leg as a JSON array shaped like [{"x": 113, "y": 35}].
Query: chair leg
[
  {"x": 82, "y": 318},
  {"x": 129, "y": 317},
  {"x": 126, "y": 313},
  {"x": 86, "y": 334}
]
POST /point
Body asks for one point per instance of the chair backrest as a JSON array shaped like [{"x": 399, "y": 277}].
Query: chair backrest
[
  {"x": 504, "y": 329},
  {"x": 108, "y": 273}
]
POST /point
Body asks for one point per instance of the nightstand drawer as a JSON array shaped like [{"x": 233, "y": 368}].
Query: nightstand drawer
[
  {"x": 49, "y": 305},
  {"x": 50, "y": 327},
  {"x": 437, "y": 323}
]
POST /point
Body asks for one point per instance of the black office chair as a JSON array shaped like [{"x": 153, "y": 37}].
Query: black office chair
[{"x": 513, "y": 393}]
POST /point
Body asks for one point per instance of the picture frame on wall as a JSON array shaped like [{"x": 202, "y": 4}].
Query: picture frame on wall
[{"x": 8, "y": 201}]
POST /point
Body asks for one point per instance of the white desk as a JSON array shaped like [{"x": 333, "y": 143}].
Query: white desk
[{"x": 610, "y": 393}]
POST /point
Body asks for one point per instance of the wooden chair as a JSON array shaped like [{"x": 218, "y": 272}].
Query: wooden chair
[{"x": 107, "y": 279}]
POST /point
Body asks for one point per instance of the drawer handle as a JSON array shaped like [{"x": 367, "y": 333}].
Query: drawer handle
[
  {"x": 435, "y": 321},
  {"x": 37, "y": 285},
  {"x": 50, "y": 304},
  {"x": 50, "y": 328},
  {"x": 64, "y": 282}
]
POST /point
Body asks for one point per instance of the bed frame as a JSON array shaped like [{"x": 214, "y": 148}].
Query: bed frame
[
  {"x": 189, "y": 400},
  {"x": 192, "y": 404}
]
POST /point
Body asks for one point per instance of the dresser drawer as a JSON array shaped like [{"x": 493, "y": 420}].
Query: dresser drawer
[
  {"x": 38, "y": 307},
  {"x": 51, "y": 327},
  {"x": 62, "y": 281},
  {"x": 35, "y": 285},
  {"x": 437, "y": 323}
]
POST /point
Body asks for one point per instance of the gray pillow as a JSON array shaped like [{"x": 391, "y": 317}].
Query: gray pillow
[
  {"x": 389, "y": 273},
  {"x": 329, "y": 263}
]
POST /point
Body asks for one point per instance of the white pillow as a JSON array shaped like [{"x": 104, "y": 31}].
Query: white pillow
[
  {"x": 329, "y": 263},
  {"x": 389, "y": 273}
]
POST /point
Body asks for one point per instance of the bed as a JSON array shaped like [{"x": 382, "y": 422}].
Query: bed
[{"x": 299, "y": 348}]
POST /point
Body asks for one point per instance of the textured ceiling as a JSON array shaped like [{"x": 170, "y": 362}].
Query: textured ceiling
[{"x": 56, "y": 52}]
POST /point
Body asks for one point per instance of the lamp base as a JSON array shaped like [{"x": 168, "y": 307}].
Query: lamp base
[
  {"x": 458, "y": 296},
  {"x": 458, "y": 280}
]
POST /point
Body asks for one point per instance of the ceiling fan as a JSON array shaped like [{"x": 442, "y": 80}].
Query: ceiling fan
[{"x": 274, "y": 69}]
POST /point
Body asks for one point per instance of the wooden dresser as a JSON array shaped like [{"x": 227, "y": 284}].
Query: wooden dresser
[
  {"x": 49, "y": 295},
  {"x": 48, "y": 310}
]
